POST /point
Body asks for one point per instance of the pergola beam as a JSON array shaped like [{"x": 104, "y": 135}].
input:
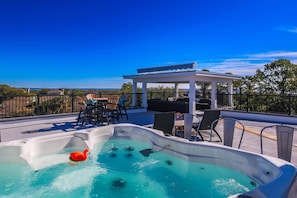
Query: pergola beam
[{"x": 167, "y": 68}]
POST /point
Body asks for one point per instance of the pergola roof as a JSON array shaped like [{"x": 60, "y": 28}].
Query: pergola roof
[{"x": 178, "y": 74}]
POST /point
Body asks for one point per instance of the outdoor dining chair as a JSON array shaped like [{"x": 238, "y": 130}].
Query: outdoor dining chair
[
  {"x": 122, "y": 107},
  {"x": 229, "y": 126},
  {"x": 86, "y": 113},
  {"x": 90, "y": 97},
  {"x": 284, "y": 140},
  {"x": 103, "y": 114},
  {"x": 165, "y": 122},
  {"x": 112, "y": 107},
  {"x": 208, "y": 118}
]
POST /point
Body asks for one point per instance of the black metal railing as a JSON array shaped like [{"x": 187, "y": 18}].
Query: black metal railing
[
  {"x": 16, "y": 106},
  {"x": 269, "y": 103}
]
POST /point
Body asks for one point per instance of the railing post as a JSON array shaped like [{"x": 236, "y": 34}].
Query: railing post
[
  {"x": 289, "y": 105},
  {"x": 240, "y": 96},
  {"x": 38, "y": 104},
  {"x": 72, "y": 102},
  {"x": 247, "y": 102}
]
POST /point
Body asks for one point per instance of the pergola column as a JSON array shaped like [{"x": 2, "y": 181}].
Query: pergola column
[
  {"x": 134, "y": 94},
  {"x": 176, "y": 90},
  {"x": 213, "y": 94},
  {"x": 192, "y": 97},
  {"x": 144, "y": 95},
  {"x": 230, "y": 93}
]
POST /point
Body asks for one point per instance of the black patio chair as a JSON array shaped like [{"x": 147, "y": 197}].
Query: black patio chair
[
  {"x": 165, "y": 122},
  {"x": 103, "y": 114},
  {"x": 86, "y": 113},
  {"x": 122, "y": 107},
  {"x": 208, "y": 118},
  {"x": 112, "y": 108}
]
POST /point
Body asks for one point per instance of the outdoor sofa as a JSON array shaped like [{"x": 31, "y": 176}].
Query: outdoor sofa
[{"x": 180, "y": 105}]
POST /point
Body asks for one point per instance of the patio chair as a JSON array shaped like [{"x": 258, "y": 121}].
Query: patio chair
[
  {"x": 81, "y": 110},
  {"x": 90, "y": 97},
  {"x": 86, "y": 113},
  {"x": 229, "y": 126},
  {"x": 112, "y": 107},
  {"x": 206, "y": 122},
  {"x": 165, "y": 122},
  {"x": 122, "y": 108},
  {"x": 103, "y": 114},
  {"x": 284, "y": 139}
]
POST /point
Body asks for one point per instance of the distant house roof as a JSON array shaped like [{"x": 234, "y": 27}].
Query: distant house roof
[{"x": 55, "y": 92}]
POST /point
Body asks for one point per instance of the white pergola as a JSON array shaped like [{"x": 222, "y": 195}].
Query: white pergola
[{"x": 181, "y": 74}]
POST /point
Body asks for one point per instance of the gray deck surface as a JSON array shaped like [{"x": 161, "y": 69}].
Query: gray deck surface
[{"x": 12, "y": 129}]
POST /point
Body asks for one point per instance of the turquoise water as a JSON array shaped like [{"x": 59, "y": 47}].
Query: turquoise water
[{"x": 120, "y": 170}]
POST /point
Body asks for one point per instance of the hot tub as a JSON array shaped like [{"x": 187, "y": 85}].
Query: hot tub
[{"x": 274, "y": 177}]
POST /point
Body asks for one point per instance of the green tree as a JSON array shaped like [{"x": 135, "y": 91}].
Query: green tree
[
  {"x": 238, "y": 85},
  {"x": 261, "y": 82},
  {"x": 127, "y": 87},
  {"x": 248, "y": 84},
  {"x": 293, "y": 81},
  {"x": 280, "y": 75},
  {"x": 43, "y": 91},
  {"x": 7, "y": 92},
  {"x": 77, "y": 92}
]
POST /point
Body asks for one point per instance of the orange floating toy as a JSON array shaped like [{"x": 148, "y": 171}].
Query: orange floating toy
[{"x": 79, "y": 156}]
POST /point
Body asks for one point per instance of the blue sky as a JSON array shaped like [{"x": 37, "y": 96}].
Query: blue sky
[{"x": 93, "y": 43}]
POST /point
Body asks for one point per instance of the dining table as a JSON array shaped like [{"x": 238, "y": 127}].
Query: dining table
[{"x": 101, "y": 99}]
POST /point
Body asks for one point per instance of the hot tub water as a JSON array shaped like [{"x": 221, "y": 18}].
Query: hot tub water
[{"x": 117, "y": 168}]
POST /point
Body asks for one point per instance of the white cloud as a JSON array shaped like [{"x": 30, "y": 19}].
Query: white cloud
[
  {"x": 277, "y": 54},
  {"x": 248, "y": 64},
  {"x": 287, "y": 29},
  {"x": 233, "y": 66}
]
